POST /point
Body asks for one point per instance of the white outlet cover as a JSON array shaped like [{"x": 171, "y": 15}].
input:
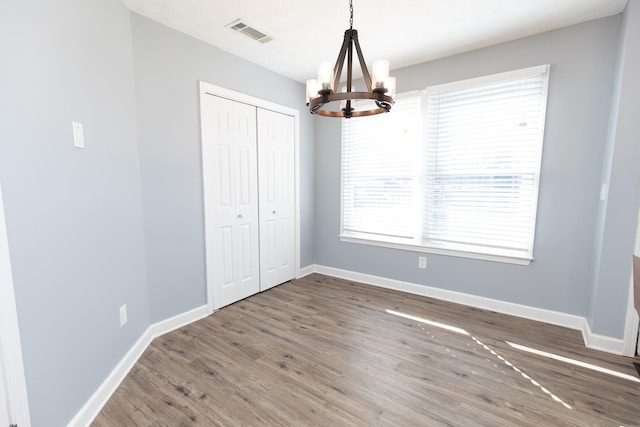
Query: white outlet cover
[{"x": 422, "y": 262}]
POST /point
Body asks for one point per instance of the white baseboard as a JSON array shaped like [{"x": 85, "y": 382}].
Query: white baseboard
[
  {"x": 601, "y": 342},
  {"x": 178, "y": 321},
  {"x": 92, "y": 408},
  {"x": 631, "y": 345},
  {"x": 96, "y": 402},
  {"x": 542, "y": 315},
  {"x": 305, "y": 271}
]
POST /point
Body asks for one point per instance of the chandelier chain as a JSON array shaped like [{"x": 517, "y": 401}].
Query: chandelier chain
[{"x": 351, "y": 11}]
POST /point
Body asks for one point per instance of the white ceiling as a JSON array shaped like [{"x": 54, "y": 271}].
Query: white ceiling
[{"x": 405, "y": 32}]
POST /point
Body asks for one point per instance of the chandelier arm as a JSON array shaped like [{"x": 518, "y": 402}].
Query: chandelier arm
[
  {"x": 350, "y": 61},
  {"x": 337, "y": 69},
  {"x": 348, "y": 110},
  {"x": 363, "y": 65}
]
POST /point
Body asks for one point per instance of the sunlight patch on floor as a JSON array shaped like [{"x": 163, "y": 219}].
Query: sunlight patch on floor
[
  {"x": 486, "y": 347},
  {"x": 524, "y": 375},
  {"x": 573, "y": 362},
  {"x": 429, "y": 322}
]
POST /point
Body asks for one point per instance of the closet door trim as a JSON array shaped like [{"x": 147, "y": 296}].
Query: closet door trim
[{"x": 207, "y": 89}]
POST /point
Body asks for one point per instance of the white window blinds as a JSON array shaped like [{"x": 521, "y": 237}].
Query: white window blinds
[
  {"x": 484, "y": 143},
  {"x": 452, "y": 169},
  {"x": 381, "y": 161}
]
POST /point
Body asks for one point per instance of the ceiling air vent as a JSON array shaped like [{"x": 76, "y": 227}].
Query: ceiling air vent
[{"x": 248, "y": 31}]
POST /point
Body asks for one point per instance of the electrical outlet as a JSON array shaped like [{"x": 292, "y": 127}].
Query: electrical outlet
[
  {"x": 422, "y": 262},
  {"x": 123, "y": 315}
]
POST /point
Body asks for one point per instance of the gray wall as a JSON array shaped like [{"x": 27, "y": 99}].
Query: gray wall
[
  {"x": 74, "y": 217},
  {"x": 582, "y": 59},
  {"x": 617, "y": 215},
  {"x": 79, "y": 221},
  {"x": 168, "y": 66}
]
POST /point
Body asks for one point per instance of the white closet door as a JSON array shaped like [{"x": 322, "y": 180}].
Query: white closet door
[
  {"x": 277, "y": 202},
  {"x": 231, "y": 199}
]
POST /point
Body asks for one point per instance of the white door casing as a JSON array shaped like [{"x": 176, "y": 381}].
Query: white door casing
[
  {"x": 276, "y": 194},
  {"x": 4, "y": 402},
  {"x": 230, "y": 182},
  {"x": 633, "y": 323},
  {"x": 631, "y": 338},
  {"x": 14, "y": 404}
]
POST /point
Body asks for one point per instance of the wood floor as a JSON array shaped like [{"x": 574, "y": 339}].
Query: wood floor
[{"x": 321, "y": 351}]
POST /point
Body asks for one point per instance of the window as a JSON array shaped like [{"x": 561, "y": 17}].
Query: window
[{"x": 453, "y": 169}]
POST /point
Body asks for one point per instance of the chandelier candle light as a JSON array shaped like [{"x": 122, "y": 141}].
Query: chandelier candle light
[{"x": 380, "y": 87}]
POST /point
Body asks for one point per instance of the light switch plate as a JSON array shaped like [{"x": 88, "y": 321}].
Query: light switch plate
[
  {"x": 78, "y": 135},
  {"x": 603, "y": 192},
  {"x": 123, "y": 315}
]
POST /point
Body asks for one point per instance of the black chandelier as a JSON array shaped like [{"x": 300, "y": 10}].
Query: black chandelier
[{"x": 324, "y": 90}]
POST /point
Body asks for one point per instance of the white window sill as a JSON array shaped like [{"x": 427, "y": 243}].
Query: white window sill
[{"x": 509, "y": 259}]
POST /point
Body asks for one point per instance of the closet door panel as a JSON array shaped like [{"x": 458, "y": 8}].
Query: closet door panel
[
  {"x": 247, "y": 252},
  {"x": 231, "y": 199},
  {"x": 276, "y": 197},
  {"x": 226, "y": 284}
]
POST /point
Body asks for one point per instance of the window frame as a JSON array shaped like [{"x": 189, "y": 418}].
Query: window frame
[{"x": 451, "y": 250}]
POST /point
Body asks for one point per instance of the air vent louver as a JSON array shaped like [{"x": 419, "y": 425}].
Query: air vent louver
[{"x": 248, "y": 31}]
